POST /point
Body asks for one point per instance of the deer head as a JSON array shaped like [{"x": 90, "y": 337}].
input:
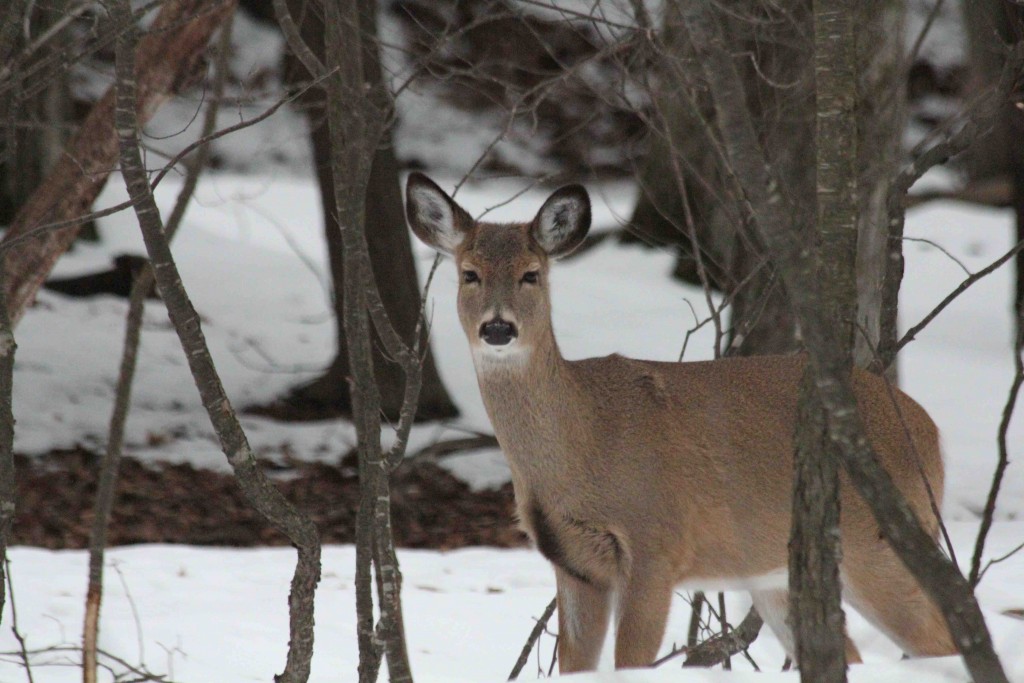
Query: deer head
[{"x": 504, "y": 300}]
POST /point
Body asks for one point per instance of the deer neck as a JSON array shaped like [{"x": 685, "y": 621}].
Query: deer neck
[{"x": 527, "y": 397}]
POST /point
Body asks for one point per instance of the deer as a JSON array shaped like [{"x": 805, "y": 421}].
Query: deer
[{"x": 633, "y": 477}]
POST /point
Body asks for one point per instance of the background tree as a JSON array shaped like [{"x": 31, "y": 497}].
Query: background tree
[
  {"x": 992, "y": 26},
  {"x": 390, "y": 252}
]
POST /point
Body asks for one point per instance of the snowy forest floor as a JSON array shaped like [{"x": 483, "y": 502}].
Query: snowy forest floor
[{"x": 251, "y": 255}]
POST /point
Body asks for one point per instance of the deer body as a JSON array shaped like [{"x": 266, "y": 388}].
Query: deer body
[{"x": 633, "y": 477}]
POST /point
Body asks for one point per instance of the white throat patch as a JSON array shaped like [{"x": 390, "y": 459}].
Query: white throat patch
[{"x": 487, "y": 358}]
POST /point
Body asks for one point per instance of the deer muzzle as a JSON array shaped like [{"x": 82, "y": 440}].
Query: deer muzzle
[{"x": 498, "y": 332}]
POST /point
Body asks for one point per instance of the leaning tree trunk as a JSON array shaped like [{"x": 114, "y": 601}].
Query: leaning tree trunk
[
  {"x": 169, "y": 58},
  {"x": 390, "y": 252}
]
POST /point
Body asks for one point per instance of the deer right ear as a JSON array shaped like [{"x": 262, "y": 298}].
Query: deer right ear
[{"x": 433, "y": 215}]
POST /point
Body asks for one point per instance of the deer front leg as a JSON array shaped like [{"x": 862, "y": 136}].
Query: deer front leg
[
  {"x": 582, "y": 622},
  {"x": 644, "y": 601}
]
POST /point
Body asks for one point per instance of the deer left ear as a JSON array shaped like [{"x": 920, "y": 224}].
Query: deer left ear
[{"x": 563, "y": 221}]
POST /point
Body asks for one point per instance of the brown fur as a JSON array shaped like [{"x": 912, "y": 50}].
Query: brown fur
[{"x": 634, "y": 476}]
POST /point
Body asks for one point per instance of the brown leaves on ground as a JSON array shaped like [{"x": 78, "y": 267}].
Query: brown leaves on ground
[{"x": 177, "y": 503}]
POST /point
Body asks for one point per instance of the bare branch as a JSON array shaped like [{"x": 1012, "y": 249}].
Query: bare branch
[
  {"x": 978, "y": 116},
  {"x": 295, "y": 41},
  {"x": 531, "y": 640},
  {"x": 1004, "y": 455},
  {"x": 203, "y": 141},
  {"x": 897, "y": 522},
  {"x": 961, "y": 288},
  {"x": 718, "y": 649},
  {"x": 267, "y": 499}
]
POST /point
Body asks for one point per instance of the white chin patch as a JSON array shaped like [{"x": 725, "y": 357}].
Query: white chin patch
[{"x": 487, "y": 357}]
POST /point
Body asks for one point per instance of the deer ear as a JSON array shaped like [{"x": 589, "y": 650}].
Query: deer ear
[
  {"x": 563, "y": 221},
  {"x": 433, "y": 215}
]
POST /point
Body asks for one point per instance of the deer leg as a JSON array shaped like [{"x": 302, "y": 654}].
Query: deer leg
[
  {"x": 582, "y": 622},
  {"x": 881, "y": 588},
  {"x": 644, "y": 600},
  {"x": 773, "y": 606}
]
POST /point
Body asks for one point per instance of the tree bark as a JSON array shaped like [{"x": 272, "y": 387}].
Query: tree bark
[
  {"x": 259, "y": 491},
  {"x": 35, "y": 124},
  {"x": 390, "y": 252},
  {"x": 814, "y": 551},
  {"x": 141, "y": 288},
  {"x": 8, "y": 489},
  {"x": 169, "y": 58},
  {"x": 938, "y": 577},
  {"x": 880, "y": 116},
  {"x": 992, "y": 25},
  {"x": 677, "y": 141},
  {"x": 358, "y": 109}
]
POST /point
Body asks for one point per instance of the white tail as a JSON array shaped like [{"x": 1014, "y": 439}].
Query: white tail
[{"x": 635, "y": 476}]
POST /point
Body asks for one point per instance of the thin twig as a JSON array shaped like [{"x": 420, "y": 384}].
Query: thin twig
[
  {"x": 1004, "y": 455},
  {"x": 175, "y": 160},
  {"x": 23, "y": 649},
  {"x": 961, "y": 288},
  {"x": 531, "y": 640},
  {"x": 923, "y": 33},
  {"x": 1001, "y": 558}
]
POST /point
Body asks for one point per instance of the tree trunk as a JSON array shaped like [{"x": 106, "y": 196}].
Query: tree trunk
[
  {"x": 258, "y": 489},
  {"x": 880, "y": 111},
  {"x": 897, "y": 523},
  {"x": 814, "y": 548},
  {"x": 991, "y": 26},
  {"x": 677, "y": 140},
  {"x": 169, "y": 58},
  {"x": 35, "y": 126},
  {"x": 779, "y": 98},
  {"x": 390, "y": 252}
]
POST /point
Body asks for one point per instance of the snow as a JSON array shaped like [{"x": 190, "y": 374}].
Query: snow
[
  {"x": 251, "y": 255},
  {"x": 203, "y": 614}
]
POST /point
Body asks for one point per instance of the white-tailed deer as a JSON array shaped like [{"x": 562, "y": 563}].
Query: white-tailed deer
[{"x": 635, "y": 476}]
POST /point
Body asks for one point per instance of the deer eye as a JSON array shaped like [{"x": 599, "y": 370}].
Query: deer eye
[
  {"x": 532, "y": 277},
  {"x": 470, "y": 276}
]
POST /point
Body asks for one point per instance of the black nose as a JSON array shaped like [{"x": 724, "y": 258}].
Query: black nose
[{"x": 498, "y": 332}]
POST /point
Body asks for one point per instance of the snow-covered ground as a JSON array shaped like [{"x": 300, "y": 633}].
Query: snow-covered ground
[
  {"x": 203, "y": 614},
  {"x": 252, "y": 257}
]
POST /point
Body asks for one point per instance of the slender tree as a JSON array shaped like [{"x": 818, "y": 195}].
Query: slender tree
[
  {"x": 390, "y": 252},
  {"x": 938, "y": 577},
  {"x": 814, "y": 549},
  {"x": 258, "y": 489}
]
